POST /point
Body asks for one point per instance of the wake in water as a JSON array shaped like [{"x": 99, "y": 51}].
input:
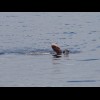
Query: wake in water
[
  {"x": 26, "y": 51},
  {"x": 31, "y": 51},
  {"x": 57, "y": 51}
]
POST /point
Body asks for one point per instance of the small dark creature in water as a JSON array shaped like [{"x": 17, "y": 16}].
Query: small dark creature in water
[{"x": 58, "y": 50}]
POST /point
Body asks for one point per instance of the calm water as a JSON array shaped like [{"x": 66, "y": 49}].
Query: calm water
[{"x": 26, "y": 54}]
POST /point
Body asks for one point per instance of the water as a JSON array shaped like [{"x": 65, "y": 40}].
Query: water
[{"x": 26, "y": 54}]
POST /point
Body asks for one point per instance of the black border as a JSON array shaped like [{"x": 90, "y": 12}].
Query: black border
[
  {"x": 49, "y": 6},
  {"x": 51, "y": 92}
]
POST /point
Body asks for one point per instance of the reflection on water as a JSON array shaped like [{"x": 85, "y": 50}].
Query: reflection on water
[{"x": 58, "y": 59}]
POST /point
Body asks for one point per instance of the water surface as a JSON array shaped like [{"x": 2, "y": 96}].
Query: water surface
[{"x": 26, "y": 54}]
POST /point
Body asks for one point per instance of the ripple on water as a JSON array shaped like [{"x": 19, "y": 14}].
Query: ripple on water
[
  {"x": 89, "y": 59},
  {"x": 62, "y": 38},
  {"x": 93, "y": 31},
  {"x": 59, "y": 16},
  {"x": 98, "y": 47},
  {"x": 2, "y": 53},
  {"x": 90, "y": 33},
  {"x": 75, "y": 45},
  {"x": 71, "y": 33},
  {"x": 75, "y": 81},
  {"x": 74, "y": 51},
  {"x": 67, "y": 24},
  {"x": 34, "y": 51},
  {"x": 20, "y": 22},
  {"x": 93, "y": 50},
  {"x": 25, "y": 51},
  {"x": 94, "y": 40}
]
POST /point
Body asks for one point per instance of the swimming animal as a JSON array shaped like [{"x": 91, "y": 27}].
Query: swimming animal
[
  {"x": 66, "y": 52},
  {"x": 58, "y": 50}
]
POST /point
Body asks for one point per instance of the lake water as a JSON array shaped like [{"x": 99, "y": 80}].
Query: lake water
[{"x": 26, "y": 54}]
